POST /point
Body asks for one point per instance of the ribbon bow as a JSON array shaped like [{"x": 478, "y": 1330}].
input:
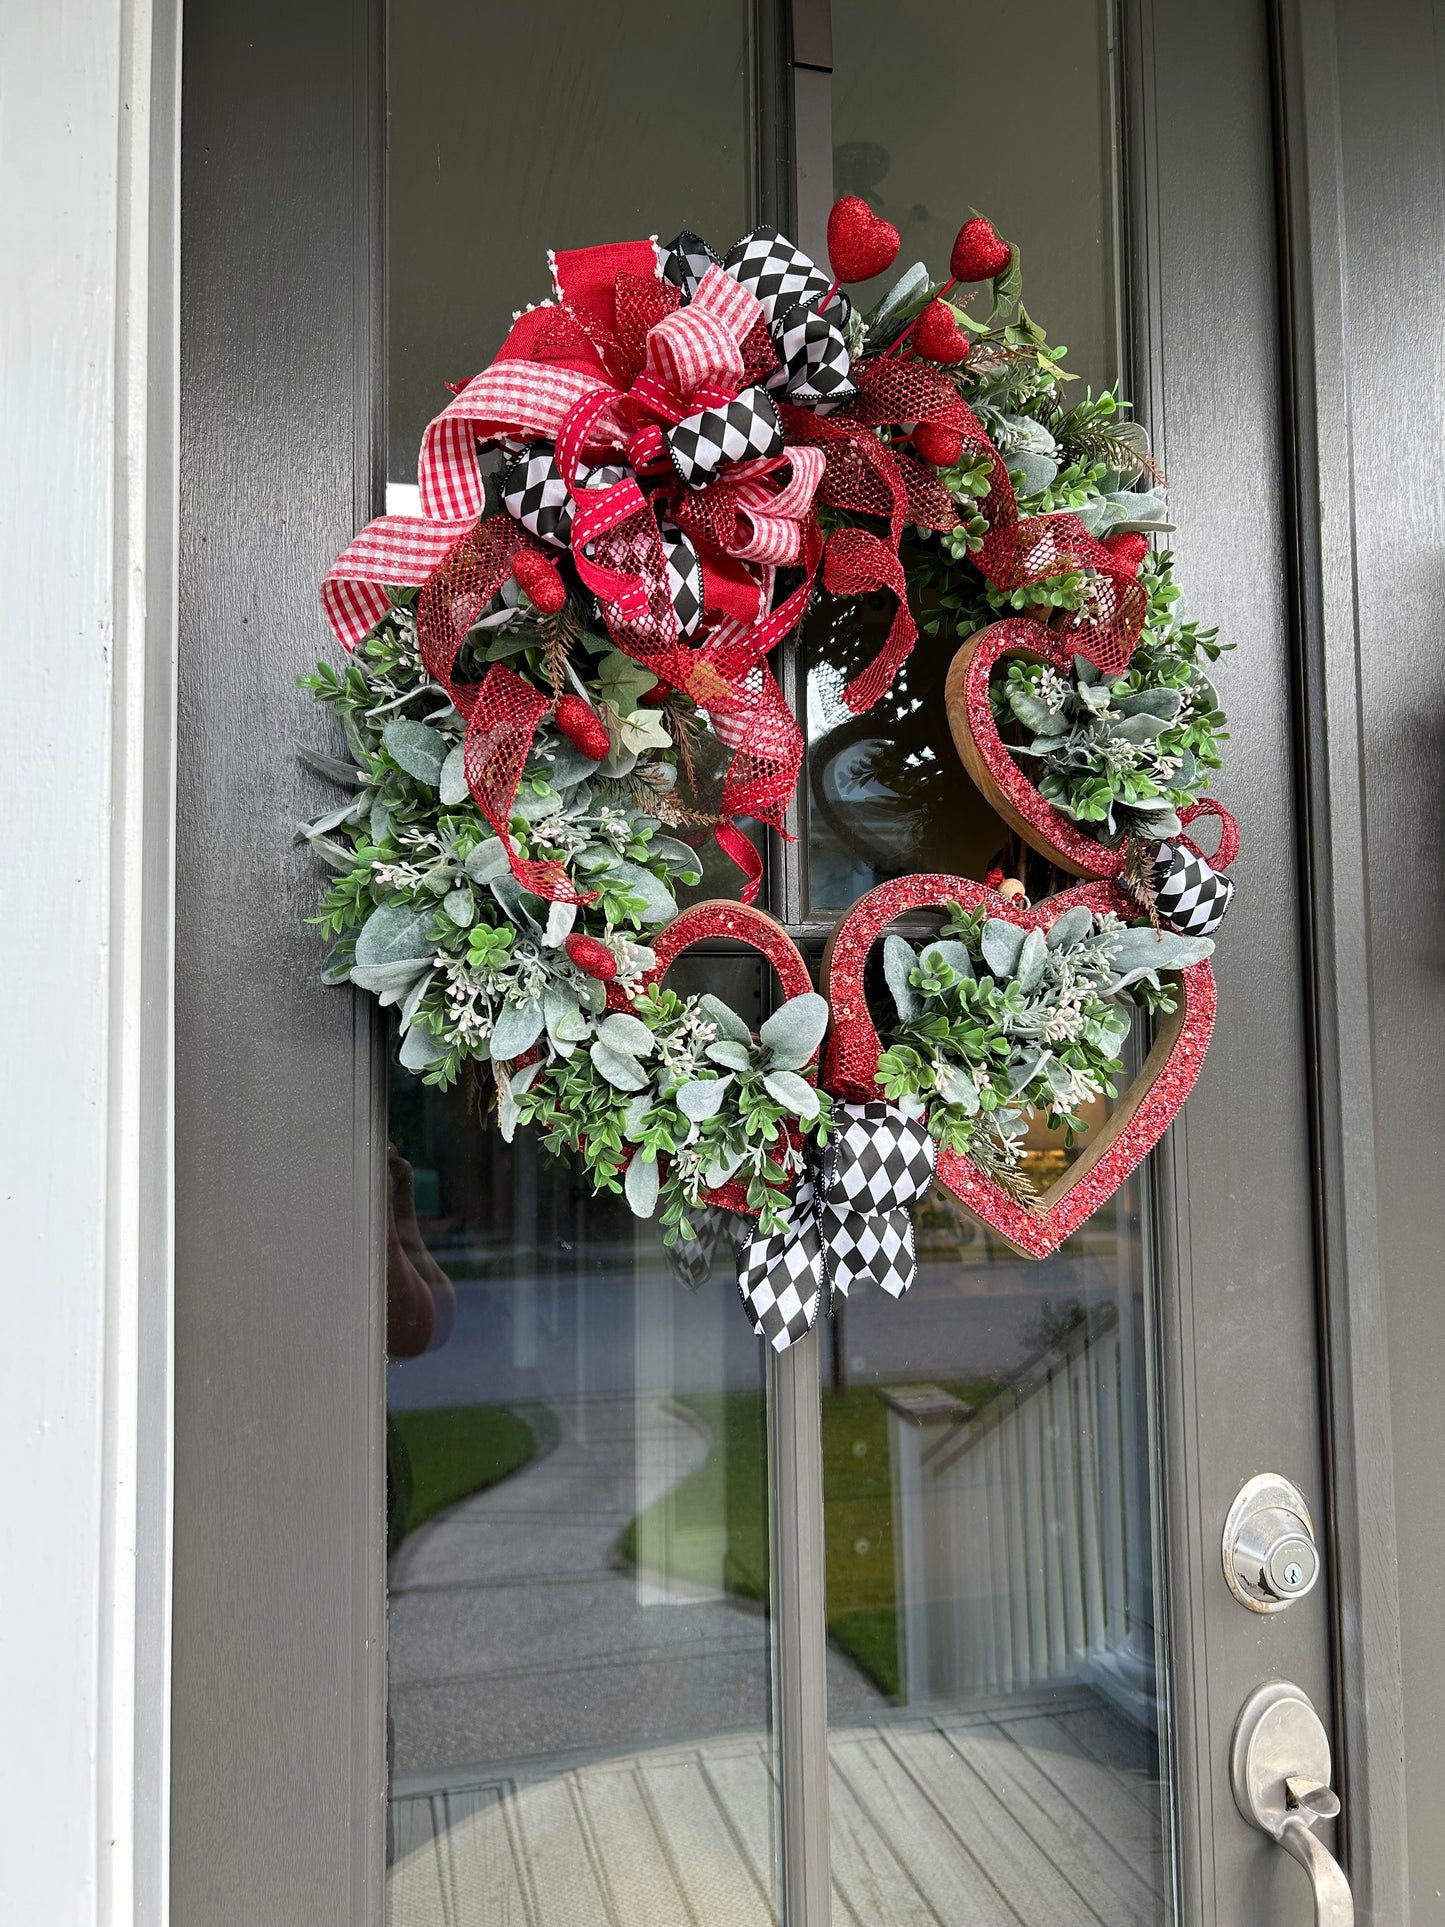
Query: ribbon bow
[{"x": 847, "y": 1221}]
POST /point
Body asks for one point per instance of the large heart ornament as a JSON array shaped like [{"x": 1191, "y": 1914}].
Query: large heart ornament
[
  {"x": 986, "y": 756},
  {"x": 739, "y": 923},
  {"x": 1113, "y": 1149}
]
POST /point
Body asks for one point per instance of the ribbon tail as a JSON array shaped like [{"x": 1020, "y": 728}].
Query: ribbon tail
[
  {"x": 500, "y": 731},
  {"x": 780, "y": 1277}
]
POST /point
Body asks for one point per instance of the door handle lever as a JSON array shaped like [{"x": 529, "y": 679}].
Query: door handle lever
[{"x": 1280, "y": 1766}]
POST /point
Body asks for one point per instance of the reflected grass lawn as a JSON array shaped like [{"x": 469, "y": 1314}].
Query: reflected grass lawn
[
  {"x": 437, "y": 1455},
  {"x": 729, "y": 1488}
]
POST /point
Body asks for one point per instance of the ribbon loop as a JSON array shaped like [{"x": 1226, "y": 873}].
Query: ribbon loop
[{"x": 849, "y": 1222}]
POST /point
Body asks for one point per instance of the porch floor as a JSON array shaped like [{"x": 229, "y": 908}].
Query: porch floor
[{"x": 1035, "y": 1809}]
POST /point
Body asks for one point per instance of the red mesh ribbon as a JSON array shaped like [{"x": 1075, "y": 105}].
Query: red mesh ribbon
[
  {"x": 503, "y": 710},
  {"x": 868, "y": 477}
]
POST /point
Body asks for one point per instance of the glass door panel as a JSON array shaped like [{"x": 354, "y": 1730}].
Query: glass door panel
[
  {"x": 999, "y": 1754},
  {"x": 580, "y": 1671},
  {"x": 579, "y": 1652},
  {"x": 934, "y": 118}
]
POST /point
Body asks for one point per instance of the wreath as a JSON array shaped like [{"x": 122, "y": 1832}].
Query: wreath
[{"x": 557, "y": 689}]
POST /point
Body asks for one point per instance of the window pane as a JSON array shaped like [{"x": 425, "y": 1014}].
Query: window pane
[
  {"x": 515, "y": 130},
  {"x": 579, "y": 1641},
  {"x": 991, "y": 1569},
  {"x": 937, "y": 116}
]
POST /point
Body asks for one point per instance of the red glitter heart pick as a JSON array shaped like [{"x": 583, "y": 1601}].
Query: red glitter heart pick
[
  {"x": 1112, "y": 1149},
  {"x": 739, "y": 923},
  {"x": 938, "y": 336},
  {"x": 938, "y": 443},
  {"x": 539, "y": 576},
  {"x": 985, "y": 755},
  {"x": 978, "y": 253},
  {"x": 1129, "y": 549},
  {"x": 860, "y": 242}
]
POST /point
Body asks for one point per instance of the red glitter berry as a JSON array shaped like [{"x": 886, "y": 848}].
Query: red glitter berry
[
  {"x": 860, "y": 242},
  {"x": 583, "y": 727},
  {"x": 938, "y": 336},
  {"x": 978, "y": 253},
  {"x": 592, "y": 957},
  {"x": 938, "y": 442},
  {"x": 540, "y": 579}
]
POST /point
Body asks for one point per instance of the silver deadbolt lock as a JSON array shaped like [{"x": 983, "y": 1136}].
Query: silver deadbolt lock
[{"x": 1270, "y": 1556}]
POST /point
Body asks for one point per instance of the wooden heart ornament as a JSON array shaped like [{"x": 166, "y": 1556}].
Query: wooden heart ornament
[
  {"x": 740, "y": 924},
  {"x": 987, "y": 759},
  {"x": 1110, "y": 1152}
]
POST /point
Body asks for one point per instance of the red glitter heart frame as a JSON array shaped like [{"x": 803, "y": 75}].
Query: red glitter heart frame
[
  {"x": 987, "y": 759},
  {"x": 740, "y": 924},
  {"x": 1109, "y": 1154}
]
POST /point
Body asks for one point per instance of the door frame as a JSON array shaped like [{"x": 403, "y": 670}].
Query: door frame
[{"x": 279, "y": 1521}]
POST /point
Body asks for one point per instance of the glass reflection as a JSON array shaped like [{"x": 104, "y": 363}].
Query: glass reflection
[
  {"x": 579, "y": 1663},
  {"x": 991, "y": 1572},
  {"x": 887, "y": 794}
]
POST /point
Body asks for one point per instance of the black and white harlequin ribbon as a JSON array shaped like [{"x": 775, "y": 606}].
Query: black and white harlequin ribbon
[
  {"x": 848, "y": 1222},
  {"x": 1189, "y": 893},
  {"x": 535, "y": 494},
  {"x": 745, "y": 429},
  {"x": 816, "y": 369}
]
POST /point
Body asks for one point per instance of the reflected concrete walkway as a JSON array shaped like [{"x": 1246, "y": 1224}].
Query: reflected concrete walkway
[{"x": 515, "y": 1634}]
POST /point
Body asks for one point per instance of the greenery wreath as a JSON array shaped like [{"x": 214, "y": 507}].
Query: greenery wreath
[{"x": 667, "y": 1099}]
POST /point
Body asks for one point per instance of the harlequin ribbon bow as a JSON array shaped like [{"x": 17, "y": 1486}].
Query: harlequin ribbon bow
[{"x": 848, "y": 1222}]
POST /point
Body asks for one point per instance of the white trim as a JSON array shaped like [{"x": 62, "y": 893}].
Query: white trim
[{"x": 89, "y": 144}]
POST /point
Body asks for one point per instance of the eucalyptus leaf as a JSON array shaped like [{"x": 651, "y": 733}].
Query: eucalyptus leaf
[
  {"x": 419, "y": 1048},
  {"x": 566, "y": 1025},
  {"x": 702, "y": 1097},
  {"x": 950, "y": 951},
  {"x": 900, "y": 960},
  {"x": 509, "y": 1089},
  {"x": 417, "y": 748},
  {"x": 658, "y": 902},
  {"x": 452, "y": 782},
  {"x": 727, "y": 1020},
  {"x": 634, "y": 1117},
  {"x": 379, "y": 821},
  {"x": 488, "y": 860},
  {"x": 676, "y": 855},
  {"x": 394, "y": 932},
  {"x": 640, "y": 1186},
  {"x": 390, "y": 981},
  {"x": 732, "y": 1055},
  {"x": 332, "y": 768},
  {"x": 460, "y": 906},
  {"x": 560, "y": 919},
  {"x": 622, "y": 1071},
  {"x": 1071, "y": 928},
  {"x": 1032, "y": 957},
  {"x": 794, "y": 1093},
  {"x": 1002, "y": 943},
  {"x": 517, "y": 1029},
  {"x": 795, "y": 1030},
  {"x": 534, "y": 806},
  {"x": 623, "y": 1033},
  {"x": 516, "y": 901}
]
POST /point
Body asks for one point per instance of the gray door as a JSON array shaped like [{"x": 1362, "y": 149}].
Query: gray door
[{"x": 586, "y": 1614}]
